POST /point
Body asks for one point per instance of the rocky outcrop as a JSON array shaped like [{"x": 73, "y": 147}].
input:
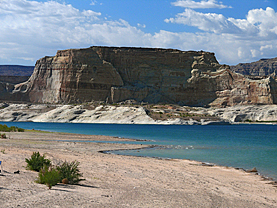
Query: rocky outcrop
[
  {"x": 234, "y": 89},
  {"x": 249, "y": 113},
  {"x": 136, "y": 114},
  {"x": 153, "y": 75},
  {"x": 258, "y": 69},
  {"x": 85, "y": 114},
  {"x": 69, "y": 77}
]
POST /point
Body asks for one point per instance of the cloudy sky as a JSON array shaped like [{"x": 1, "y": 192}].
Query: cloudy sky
[{"x": 237, "y": 31}]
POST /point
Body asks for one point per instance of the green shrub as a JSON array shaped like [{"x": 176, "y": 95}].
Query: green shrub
[
  {"x": 49, "y": 176},
  {"x": 5, "y": 128},
  {"x": 36, "y": 162},
  {"x": 70, "y": 171},
  {"x": 20, "y": 130}
]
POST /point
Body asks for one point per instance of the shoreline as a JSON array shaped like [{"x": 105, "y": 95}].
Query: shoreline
[
  {"x": 208, "y": 164},
  {"x": 273, "y": 123},
  {"x": 120, "y": 181},
  {"x": 146, "y": 146}
]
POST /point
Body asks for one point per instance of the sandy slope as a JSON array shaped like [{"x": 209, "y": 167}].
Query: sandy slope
[{"x": 122, "y": 181}]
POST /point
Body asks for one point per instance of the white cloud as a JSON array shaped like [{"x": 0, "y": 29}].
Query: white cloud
[
  {"x": 265, "y": 21},
  {"x": 31, "y": 30},
  {"x": 37, "y": 29},
  {"x": 141, "y": 25},
  {"x": 207, "y": 22},
  {"x": 258, "y": 22},
  {"x": 262, "y": 48},
  {"x": 204, "y": 4},
  {"x": 242, "y": 40},
  {"x": 94, "y": 2}
]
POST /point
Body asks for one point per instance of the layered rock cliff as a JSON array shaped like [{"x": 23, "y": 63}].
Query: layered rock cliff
[
  {"x": 114, "y": 74},
  {"x": 261, "y": 68}
]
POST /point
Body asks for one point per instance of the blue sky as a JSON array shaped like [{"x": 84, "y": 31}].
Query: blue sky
[{"x": 237, "y": 31}]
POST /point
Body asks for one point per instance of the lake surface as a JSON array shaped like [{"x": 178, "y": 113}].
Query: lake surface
[{"x": 244, "y": 146}]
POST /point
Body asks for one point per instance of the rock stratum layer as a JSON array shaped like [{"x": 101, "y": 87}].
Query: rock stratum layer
[
  {"x": 261, "y": 68},
  {"x": 114, "y": 74}
]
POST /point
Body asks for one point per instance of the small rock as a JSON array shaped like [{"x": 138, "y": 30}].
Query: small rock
[{"x": 254, "y": 170}]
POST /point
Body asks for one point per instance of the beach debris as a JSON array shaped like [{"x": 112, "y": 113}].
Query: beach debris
[
  {"x": 65, "y": 181},
  {"x": 253, "y": 170},
  {"x": 274, "y": 183},
  {"x": 16, "y": 172},
  {"x": 207, "y": 164},
  {"x": 107, "y": 196}
]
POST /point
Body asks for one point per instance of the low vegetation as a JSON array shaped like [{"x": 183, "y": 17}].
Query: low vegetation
[
  {"x": 67, "y": 172},
  {"x": 49, "y": 176},
  {"x": 70, "y": 171},
  {"x": 37, "y": 162},
  {"x": 5, "y": 128}
]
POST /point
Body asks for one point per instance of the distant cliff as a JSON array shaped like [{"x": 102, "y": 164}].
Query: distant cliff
[
  {"x": 153, "y": 75},
  {"x": 15, "y": 74},
  {"x": 16, "y": 70},
  {"x": 261, "y": 68}
]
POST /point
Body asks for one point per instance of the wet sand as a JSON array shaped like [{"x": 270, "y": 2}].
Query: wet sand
[{"x": 122, "y": 181}]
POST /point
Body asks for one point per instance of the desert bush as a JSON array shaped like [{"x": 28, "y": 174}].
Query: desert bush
[
  {"x": 49, "y": 176},
  {"x": 3, "y": 136},
  {"x": 37, "y": 161},
  {"x": 5, "y": 128},
  {"x": 20, "y": 130},
  {"x": 70, "y": 171}
]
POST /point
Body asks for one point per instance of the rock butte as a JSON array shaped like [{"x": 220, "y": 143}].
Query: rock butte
[
  {"x": 153, "y": 75},
  {"x": 261, "y": 68}
]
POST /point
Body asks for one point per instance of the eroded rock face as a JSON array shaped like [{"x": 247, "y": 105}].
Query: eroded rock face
[
  {"x": 263, "y": 67},
  {"x": 232, "y": 89},
  {"x": 69, "y": 77},
  {"x": 114, "y": 74}
]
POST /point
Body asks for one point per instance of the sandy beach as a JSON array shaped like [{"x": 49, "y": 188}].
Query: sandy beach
[{"x": 122, "y": 181}]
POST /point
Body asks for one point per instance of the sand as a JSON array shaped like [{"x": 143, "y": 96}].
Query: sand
[{"x": 122, "y": 181}]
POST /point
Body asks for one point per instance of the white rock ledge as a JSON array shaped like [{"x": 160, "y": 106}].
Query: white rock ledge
[{"x": 130, "y": 115}]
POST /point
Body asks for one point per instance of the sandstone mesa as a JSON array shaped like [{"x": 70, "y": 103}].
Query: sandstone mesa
[
  {"x": 153, "y": 75},
  {"x": 146, "y": 75}
]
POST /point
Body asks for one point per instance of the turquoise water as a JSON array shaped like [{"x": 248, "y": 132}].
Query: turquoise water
[{"x": 244, "y": 146}]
